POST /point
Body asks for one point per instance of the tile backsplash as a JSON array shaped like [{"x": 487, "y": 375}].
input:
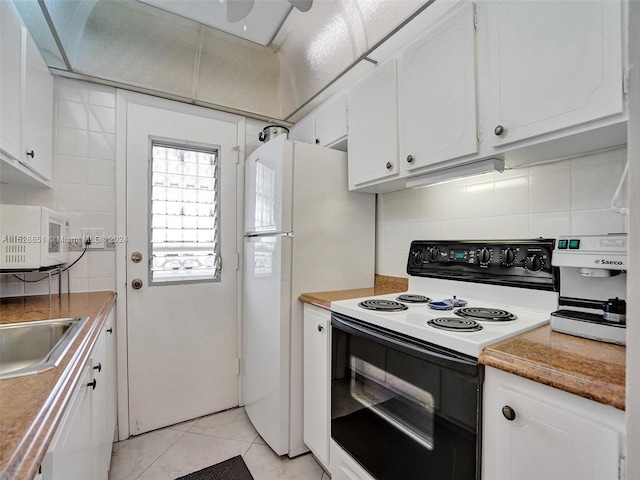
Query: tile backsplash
[
  {"x": 563, "y": 197},
  {"x": 83, "y": 183}
]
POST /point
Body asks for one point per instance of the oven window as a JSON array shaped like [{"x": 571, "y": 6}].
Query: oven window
[
  {"x": 401, "y": 404},
  {"x": 401, "y": 415}
]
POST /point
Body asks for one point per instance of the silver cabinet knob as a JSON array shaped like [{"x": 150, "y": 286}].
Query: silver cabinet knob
[
  {"x": 410, "y": 159},
  {"x": 499, "y": 130},
  {"x": 136, "y": 257},
  {"x": 389, "y": 165},
  {"x": 136, "y": 284},
  {"x": 320, "y": 328},
  {"x": 509, "y": 413}
]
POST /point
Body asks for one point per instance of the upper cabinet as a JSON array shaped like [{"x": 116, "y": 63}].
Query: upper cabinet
[
  {"x": 26, "y": 105},
  {"x": 373, "y": 127},
  {"x": 551, "y": 65},
  {"x": 437, "y": 94},
  {"x": 326, "y": 126}
]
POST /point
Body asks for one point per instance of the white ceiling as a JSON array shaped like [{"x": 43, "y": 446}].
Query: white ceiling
[{"x": 262, "y": 23}]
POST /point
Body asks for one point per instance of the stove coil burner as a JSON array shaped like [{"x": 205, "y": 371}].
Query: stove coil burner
[
  {"x": 382, "y": 305},
  {"x": 455, "y": 324},
  {"x": 412, "y": 298},
  {"x": 486, "y": 314}
]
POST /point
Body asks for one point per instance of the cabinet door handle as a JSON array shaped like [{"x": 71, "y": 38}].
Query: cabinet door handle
[
  {"x": 389, "y": 165},
  {"x": 98, "y": 367},
  {"x": 317, "y": 141},
  {"x": 409, "y": 158},
  {"x": 509, "y": 413},
  {"x": 110, "y": 330},
  {"x": 92, "y": 384},
  {"x": 320, "y": 328},
  {"x": 31, "y": 154},
  {"x": 499, "y": 130}
]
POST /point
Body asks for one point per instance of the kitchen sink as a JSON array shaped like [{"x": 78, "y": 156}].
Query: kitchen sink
[{"x": 28, "y": 348}]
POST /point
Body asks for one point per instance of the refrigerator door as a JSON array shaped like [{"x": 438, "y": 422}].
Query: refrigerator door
[
  {"x": 266, "y": 333},
  {"x": 269, "y": 188}
]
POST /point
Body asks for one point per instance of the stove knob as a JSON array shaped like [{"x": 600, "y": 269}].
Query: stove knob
[
  {"x": 507, "y": 257},
  {"x": 534, "y": 263},
  {"x": 485, "y": 255},
  {"x": 416, "y": 257},
  {"x": 433, "y": 254}
]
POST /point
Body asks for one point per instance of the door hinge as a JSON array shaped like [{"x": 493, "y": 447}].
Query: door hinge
[
  {"x": 475, "y": 21},
  {"x": 479, "y": 133},
  {"x": 238, "y": 367},
  {"x": 237, "y": 150},
  {"x": 237, "y": 261},
  {"x": 622, "y": 472}
]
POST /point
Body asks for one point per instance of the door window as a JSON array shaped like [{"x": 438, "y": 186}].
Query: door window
[{"x": 185, "y": 211}]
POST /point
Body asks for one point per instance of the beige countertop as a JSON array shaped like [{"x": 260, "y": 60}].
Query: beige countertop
[
  {"x": 383, "y": 285},
  {"x": 32, "y": 406},
  {"x": 590, "y": 369}
]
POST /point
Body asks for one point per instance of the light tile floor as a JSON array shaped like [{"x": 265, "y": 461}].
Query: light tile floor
[{"x": 188, "y": 447}]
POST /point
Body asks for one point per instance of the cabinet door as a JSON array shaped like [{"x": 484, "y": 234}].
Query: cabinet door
[
  {"x": 552, "y": 64},
  {"x": 100, "y": 439},
  {"x": 37, "y": 131},
  {"x": 111, "y": 376},
  {"x": 437, "y": 94},
  {"x": 331, "y": 122},
  {"x": 303, "y": 131},
  {"x": 316, "y": 381},
  {"x": 373, "y": 126},
  {"x": 69, "y": 456},
  {"x": 10, "y": 56}
]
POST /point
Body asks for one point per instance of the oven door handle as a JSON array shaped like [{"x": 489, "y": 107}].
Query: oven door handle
[{"x": 425, "y": 351}]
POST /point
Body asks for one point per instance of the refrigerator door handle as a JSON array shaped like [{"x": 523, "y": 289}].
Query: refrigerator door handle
[{"x": 268, "y": 234}]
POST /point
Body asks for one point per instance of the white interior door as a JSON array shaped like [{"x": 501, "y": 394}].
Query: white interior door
[{"x": 181, "y": 295}]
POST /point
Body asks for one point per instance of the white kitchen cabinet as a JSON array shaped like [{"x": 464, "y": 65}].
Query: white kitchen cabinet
[
  {"x": 551, "y": 65},
  {"x": 326, "y": 126},
  {"x": 26, "y": 105},
  {"x": 81, "y": 447},
  {"x": 532, "y": 431},
  {"x": 316, "y": 381},
  {"x": 37, "y": 127},
  {"x": 10, "y": 56},
  {"x": 373, "y": 127},
  {"x": 437, "y": 93}
]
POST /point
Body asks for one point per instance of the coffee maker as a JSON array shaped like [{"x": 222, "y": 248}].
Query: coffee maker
[{"x": 593, "y": 284}]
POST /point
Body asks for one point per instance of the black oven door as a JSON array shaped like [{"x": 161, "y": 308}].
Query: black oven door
[{"x": 403, "y": 408}]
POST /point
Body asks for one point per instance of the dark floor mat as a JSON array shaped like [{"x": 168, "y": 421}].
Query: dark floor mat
[{"x": 232, "y": 469}]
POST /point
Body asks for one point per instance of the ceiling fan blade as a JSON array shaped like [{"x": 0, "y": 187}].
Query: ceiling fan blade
[
  {"x": 238, "y": 9},
  {"x": 302, "y": 5}
]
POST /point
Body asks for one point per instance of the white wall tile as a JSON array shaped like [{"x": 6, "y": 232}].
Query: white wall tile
[
  {"x": 71, "y": 142},
  {"x": 430, "y": 199},
  {"x": 71, "y": 114},
  {"x": 513, "y": 226},
  {"x": 480, "y": 199},
  {"x": 550, "y": 192},
  {"x": 551, "y": 224},
  {"x": 101, "y": 263},
  {"x": 71, "y": 89},
  {"x": 71, "y": 169},
  {"x": 72, "y": 196},
  {"x": 101, "y": 172},
  {"x": 512, "y": 196},
  {"x": 594, "y": 222},
  {"x": 480, "y": 228},
  {"x": 102, "y": 119},
  {"x": 452, "y": 229},
  {"x": 41, "y": 197},
  {"x": 101, "y": 199},
  {"x": 102, "y": 145},
  {"x": 452, "y": 201},
  {"x": 102, "y": 96},
  {"x": 594, "y": 180},
  {"x": 429, "y": 231},
  {"x": 100, "y": 284},
  {"x": 11, "y": 194}
]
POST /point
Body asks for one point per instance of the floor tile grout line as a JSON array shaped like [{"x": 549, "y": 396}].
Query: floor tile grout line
[{"x": 163, "y": 452}]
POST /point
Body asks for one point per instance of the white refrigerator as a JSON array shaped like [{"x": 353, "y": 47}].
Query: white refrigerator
[{"x": 304, "y": 232}]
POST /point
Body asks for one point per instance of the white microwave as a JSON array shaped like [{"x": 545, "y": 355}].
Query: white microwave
[{"x": 32, "y": 237}]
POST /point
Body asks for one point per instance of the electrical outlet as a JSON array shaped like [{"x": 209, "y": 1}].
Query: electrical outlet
[{"x": 93, "y": 237}]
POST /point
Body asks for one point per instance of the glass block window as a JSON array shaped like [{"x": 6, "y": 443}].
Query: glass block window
[{"x": 185, "y": 213}]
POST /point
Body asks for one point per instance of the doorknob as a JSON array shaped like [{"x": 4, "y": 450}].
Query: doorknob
[
  {"x": 136, "y": 257},
  {"x": 136, "y": 284}
]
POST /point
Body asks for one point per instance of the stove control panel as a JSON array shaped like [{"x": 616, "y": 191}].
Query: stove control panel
[{"x": 524, "y": 263}]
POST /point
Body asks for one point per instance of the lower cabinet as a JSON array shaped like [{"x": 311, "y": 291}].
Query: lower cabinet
[
  {"x": 81, "y": 447},
  {"x": 532, "y": 431},
  {"x": 316, "y": 381}
]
